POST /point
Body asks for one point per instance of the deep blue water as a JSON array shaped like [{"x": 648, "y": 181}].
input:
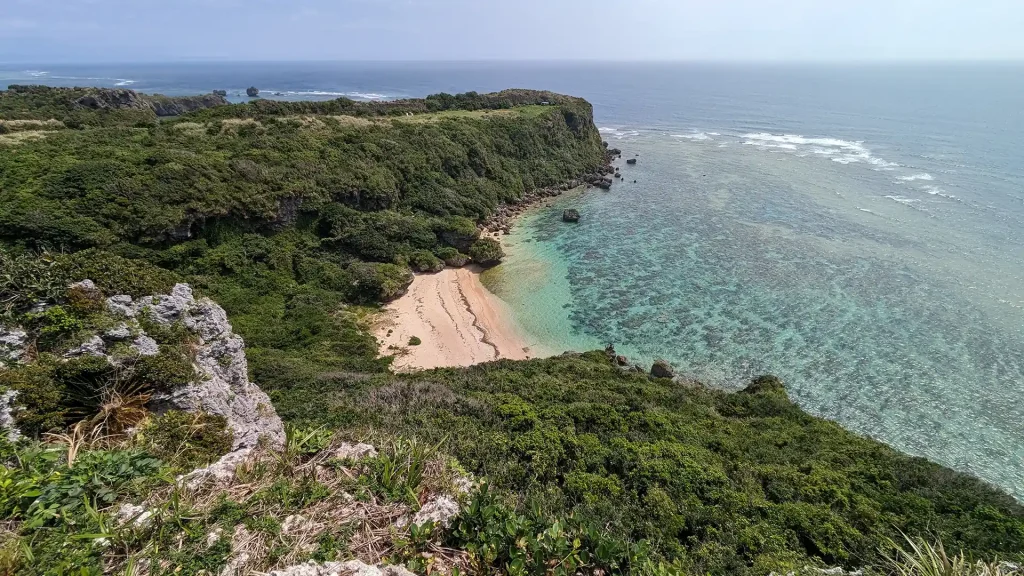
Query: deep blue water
[{"x": 857, "y": 230}]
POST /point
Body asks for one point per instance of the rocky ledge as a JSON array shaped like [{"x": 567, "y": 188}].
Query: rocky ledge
[
  {"x": 221, "y": 387},
  {"x": 124, "y": 99}
]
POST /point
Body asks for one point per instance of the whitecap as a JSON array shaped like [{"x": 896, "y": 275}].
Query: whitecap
[
  {"x": 37, "y": 73},
  {"x": 903, "y": 200},
  {"x": 605, "y": 129},
  {"x": 865, "y": 210},
  {"x": 840, "y": 151},
  {"x": 913, "y": 177},
  {"x": 695, "y": 136},
  {"x": 936, "y": 191},
  {"x": 123, "y": 82}
]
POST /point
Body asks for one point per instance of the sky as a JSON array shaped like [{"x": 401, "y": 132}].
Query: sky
[{"x": 733, "y": 30}]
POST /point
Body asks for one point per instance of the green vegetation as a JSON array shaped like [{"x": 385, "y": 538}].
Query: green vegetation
[
  {"x": 299, "y": 219},
  {"x": 415, "y": 341}
]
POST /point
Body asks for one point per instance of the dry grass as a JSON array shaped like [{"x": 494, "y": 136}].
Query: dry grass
[
  {"x": 15, "y": 138},
  {"x": 343, "y": 506},
  {"x": 920, "y": 558},
  {"x": 37, "y": 125}
]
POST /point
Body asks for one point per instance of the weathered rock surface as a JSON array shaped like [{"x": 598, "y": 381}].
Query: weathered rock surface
[
  {"x": 441, "y": 511},
  {"x": 359, "y": 451},
  {"x": 7, "y": 423},
  {"x": 350, "y": 568},
  {"x": 631, "y": 161},
  {"x": 145, "y": 346},
  {"x": 662, "y": 369},
  {"x": 223, "y": 387},
  {"x": 13, "y": 345},
  {"x": 124, "y": 99},
  {"x": 94, "y": 346},
  {"x": 252, "y": 91},
  {"x": 570, "y": 215}
]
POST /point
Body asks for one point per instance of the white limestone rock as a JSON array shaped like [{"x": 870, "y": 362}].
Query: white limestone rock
[
  {"x": 143, "y": 345},
  {"x": 119, "y": 333},
  {"x": 94, "y": 346},
  {"x": 7, "y": 409},
  {"x": 136, "y": 516},
  {"x": 13, "y": 345},
  {"x": 122, "y": 305},
  {"x": 356, "y": 452},
  {"x": 222, "y": 387},
  {"x": 350, "y": 568},
  {"x": 441, "y": 511}
]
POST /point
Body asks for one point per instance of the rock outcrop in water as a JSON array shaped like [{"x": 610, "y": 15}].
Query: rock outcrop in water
[
  {"x": 570, "y": 215},
  {"x": 662, "y": 369},
  {"x": 252, "y": 91}
]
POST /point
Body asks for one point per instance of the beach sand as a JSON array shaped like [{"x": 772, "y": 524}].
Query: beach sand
[{"x": 459, "y": 322}]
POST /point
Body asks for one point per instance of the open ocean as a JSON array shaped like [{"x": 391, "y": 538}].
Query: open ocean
[{"x": 856, "y": 230}]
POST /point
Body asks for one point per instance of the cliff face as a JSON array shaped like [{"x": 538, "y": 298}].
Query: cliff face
[{"x": 121, "y": 99}]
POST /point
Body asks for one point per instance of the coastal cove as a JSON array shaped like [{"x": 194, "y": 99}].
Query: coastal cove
[{"x": 190, "y": 382}]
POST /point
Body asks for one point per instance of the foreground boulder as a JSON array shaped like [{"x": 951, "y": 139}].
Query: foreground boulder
[{"x": 223, "y": 387}]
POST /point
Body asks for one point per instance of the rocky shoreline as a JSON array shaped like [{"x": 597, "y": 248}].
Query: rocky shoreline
[{"x": 503, "y": 219}]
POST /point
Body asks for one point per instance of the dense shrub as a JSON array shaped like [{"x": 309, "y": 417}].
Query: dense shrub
[
  {"x": 425, "y": 261},
  {"x": 486, "y": 252}
]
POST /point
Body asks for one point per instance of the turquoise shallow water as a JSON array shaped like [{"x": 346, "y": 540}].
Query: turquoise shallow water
[
  {"x": 857, "y": 230},
  {"x": 732, "y": 257}
]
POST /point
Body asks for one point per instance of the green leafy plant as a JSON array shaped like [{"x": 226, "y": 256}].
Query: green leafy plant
[{"x": 415, "y": 341}]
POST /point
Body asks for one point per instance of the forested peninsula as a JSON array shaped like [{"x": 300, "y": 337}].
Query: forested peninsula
[{"x": 189, "y": 384}]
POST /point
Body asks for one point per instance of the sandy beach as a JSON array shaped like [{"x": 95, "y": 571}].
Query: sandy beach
[{"x": 459, "y": 322}]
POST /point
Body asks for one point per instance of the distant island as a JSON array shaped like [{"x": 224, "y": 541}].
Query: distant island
[{"x": 190, "y": 380}]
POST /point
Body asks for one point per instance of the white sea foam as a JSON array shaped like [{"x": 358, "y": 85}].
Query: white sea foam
[
  {"x": 696, "y": 136},
  {"x": 903, "y": 200},
  {"x": 913, "y": 177},
  {"x": 37, "y": 73},
  {"x": 865, "y": 210},
  {"x": 123, "y": 82},
  {"x": 936, "y": 191},
  {"x": 359, "y": 95},
  {"x": 605, "y": 129},
  {"x": 841, "y": 151}
]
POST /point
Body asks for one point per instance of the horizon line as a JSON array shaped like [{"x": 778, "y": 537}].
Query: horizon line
[{"x": 841, "y": 62}]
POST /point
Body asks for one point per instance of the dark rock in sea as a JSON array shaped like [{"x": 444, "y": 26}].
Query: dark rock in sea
[
  {"x": 220, "y": 92},
  {"x": 252, "y": 91},
  {"x": 662, "y": 369},
  {"x": 622, "y": 360},
  {"x": 570, "y": 215},
  {"x": 631, "y": 161}
]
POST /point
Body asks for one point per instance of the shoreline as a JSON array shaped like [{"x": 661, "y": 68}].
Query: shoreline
[{"x": 458, "y": 321}]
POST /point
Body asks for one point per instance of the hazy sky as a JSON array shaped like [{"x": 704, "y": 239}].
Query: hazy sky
[{"x": 141, "y": 30}]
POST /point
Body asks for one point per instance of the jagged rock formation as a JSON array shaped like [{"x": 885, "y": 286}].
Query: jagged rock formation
[
  {"x": 252, "y": 91},
  {"x": 223, "y": 388},
  {"x": 124, "y": 99},
  {"x": 570, "y": 215}
]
